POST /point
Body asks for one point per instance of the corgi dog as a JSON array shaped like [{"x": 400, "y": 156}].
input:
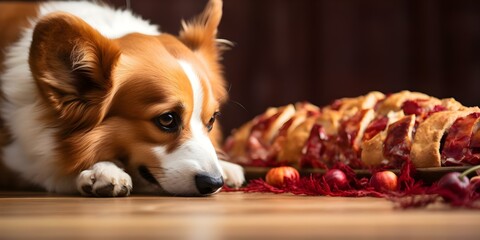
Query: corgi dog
[{"x": 98, "y": 101}]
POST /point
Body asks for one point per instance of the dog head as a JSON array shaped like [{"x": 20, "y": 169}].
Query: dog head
[{"x": 148, "y": 101}]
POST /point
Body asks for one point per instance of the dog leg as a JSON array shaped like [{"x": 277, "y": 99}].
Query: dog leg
[
  {"x": 232, "y": 173},
  {"x": 104, "y": 179}
]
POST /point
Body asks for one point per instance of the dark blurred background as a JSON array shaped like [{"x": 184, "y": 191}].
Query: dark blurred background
[{"x": 319, "y": 50}]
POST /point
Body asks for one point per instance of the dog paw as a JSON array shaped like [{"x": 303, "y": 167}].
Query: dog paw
[
  {"x": 233, "y": 174},
  {"x": 104, "y": 179}
]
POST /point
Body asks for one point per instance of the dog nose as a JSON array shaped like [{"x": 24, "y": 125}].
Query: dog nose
[{"x": 207, "y": 184}]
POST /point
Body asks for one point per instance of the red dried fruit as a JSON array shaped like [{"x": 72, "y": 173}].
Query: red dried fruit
[
  {"x": 276, "y": 176},
  {"x": 453, "y": 186},
  {"x": 384, "y": 181},
  {"x": 336, "y": 178}
]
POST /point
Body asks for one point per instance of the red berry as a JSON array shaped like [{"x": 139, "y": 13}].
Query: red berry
[
  {"x": 384, "y": 181},
  {"x": 335, "y": 177},
  {"x": 276, "y": 176},
  {"x": 453, "y": 186}
]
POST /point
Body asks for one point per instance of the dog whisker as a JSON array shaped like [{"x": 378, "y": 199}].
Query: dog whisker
[{"x": 239, "y": 104}]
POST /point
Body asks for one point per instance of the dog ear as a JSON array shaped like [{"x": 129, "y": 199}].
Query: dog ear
[
  {"x": 72, "y": 64},
  {"x": 201, "y": 31},
  {"x": 200, "y": 35}
]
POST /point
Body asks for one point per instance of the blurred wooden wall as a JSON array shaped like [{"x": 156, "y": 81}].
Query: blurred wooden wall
[{"x": 319, "y": 50}]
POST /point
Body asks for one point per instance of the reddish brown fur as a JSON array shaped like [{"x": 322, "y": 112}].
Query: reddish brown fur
[
  {"x": 13, "y": 18},
  {"x": 78, "y": 94},
  {"x": 130, "y": 81},
  {"x": 124, "y": 93}
]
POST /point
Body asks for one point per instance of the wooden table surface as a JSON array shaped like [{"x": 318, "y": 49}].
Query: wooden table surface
[{"x": 226, "y": 216}]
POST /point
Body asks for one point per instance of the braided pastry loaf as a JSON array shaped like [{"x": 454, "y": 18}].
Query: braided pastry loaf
[{"x": 370, "y": 130}]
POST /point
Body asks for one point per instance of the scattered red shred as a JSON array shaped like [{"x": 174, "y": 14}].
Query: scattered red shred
[{"x": 411, "y": 193}]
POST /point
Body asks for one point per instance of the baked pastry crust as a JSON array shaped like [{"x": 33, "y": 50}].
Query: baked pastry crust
[
  {"x": 426, "y": 143},
  {"x": 374, "y": 129}
]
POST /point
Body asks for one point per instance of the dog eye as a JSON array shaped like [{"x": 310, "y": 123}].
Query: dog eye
[
  {"x": 168, "y": 122},
  {"x": 212, "y": 121}
]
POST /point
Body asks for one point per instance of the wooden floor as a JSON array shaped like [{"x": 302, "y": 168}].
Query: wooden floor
[{"x": 226, "y": 216}]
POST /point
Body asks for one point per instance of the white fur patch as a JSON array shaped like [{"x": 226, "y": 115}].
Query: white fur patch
[
  {"x": 233, "y": 174},
  {"x": 104, "y": 174},
  {"x": 197, "y": 90},
  {"x": 108, "y": 21},
  {"x": 32, "y": 152}
]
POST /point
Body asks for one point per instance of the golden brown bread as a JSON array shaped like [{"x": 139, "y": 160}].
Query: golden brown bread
[
  {"x": 372, "y": 150},
  {"x": 426, "y": 143},
  {"x": 291, "y": 149},
  {"x": 400, "y": 126}
]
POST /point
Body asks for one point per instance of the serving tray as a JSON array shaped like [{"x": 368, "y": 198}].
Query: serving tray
[{"x": 427, "y": 175}]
